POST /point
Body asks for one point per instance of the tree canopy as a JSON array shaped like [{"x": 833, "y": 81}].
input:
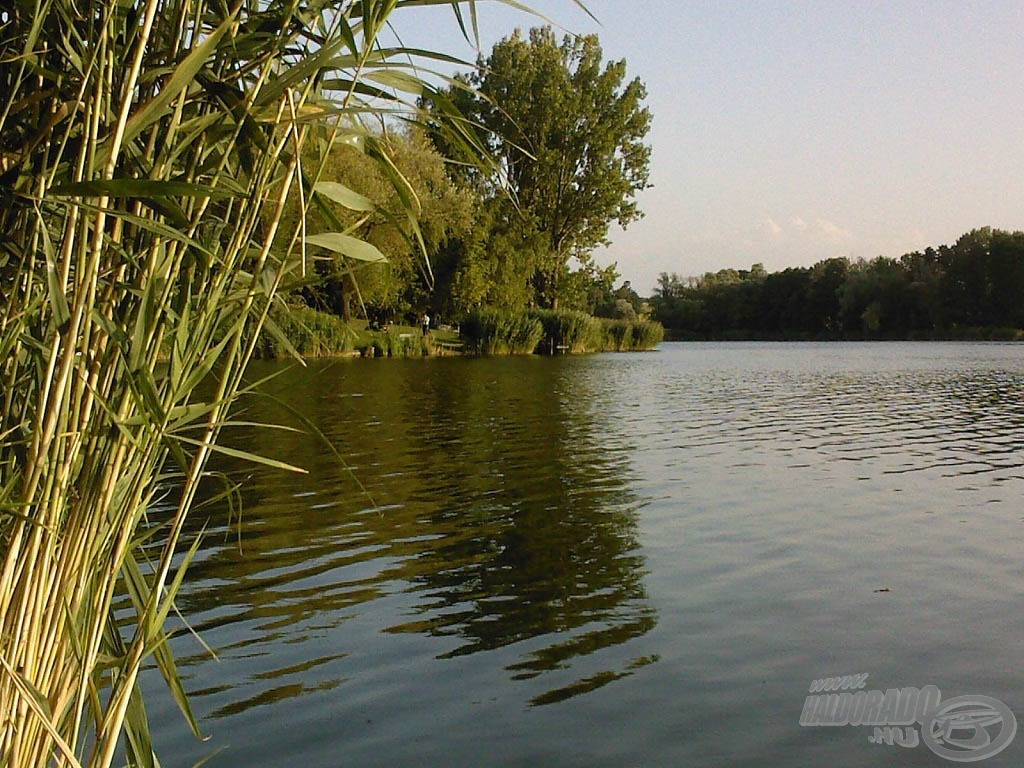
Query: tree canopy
[
  {"x": 366, "y": 202},
  {"x": 568, "y": 133}
]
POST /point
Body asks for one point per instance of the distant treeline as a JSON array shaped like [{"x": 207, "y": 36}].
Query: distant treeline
[{"x": 972, "y": 289}]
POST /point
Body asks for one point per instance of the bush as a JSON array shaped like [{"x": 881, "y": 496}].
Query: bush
[
  {"x": 494, "y": 332},
  {"x": 396, "y": 342},
  {"x": 311, "y": 333},
  {"x": 629, "y": 336},
  {"x": 647, "y": 334},
  {"x": 547, "y": 331},
  {"x": 567, "y": 330}
]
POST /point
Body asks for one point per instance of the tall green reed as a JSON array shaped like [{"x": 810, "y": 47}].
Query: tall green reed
[
  {"x": 148, "y": 151},
  {"x": 630, "y": 335},
  {"x": 567, "y": 331},
  {"x": 490, "y": 331}
]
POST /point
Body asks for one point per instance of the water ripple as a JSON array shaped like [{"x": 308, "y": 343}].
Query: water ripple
[{"x": 634, "y": 545}]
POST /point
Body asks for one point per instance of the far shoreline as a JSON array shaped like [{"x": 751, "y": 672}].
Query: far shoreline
[{"x": 310, "y": 334}]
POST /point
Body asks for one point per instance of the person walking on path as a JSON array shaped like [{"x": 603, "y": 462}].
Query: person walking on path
[{"x": 425, "y": 323}]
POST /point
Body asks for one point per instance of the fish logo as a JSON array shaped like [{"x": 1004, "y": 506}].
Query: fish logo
[{"x": 969, "y": 728}]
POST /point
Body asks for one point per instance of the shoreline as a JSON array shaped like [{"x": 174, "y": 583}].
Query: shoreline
[{"x": 311, "y": 334}]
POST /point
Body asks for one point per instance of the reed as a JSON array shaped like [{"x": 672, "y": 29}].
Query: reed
[
  {"x": 568, "y": 331},
  {"x": 148, "y": 150},
  {"x": 647, "y": 334},
  {"x": 630, "y": 335},
  {"x": 490, "y": 331},
  {"x": 309, "y": 332}
]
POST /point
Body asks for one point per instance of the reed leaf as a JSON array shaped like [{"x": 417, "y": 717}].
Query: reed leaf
[
  {"x": 342, "y": 195},
  {"x": 149, "y": 150},
  {"x": 348, "y": 246}
]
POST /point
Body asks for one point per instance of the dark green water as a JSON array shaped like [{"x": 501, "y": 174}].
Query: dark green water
[{"x": 617, "y": 560}]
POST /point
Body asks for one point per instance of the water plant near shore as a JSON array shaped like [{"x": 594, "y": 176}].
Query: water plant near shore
[
  {"x": 496, "y": 332},
  {"x": 490, "y": 331},
  {"x": 567, "y": 331},
  {"x": 148, "y": 149},
  {"x": 630, "y": 335}
]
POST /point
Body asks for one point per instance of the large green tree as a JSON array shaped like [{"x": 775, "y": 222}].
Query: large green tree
[
  {"x": 368, "y": 199},
  {"x": 568, "y": 133}
]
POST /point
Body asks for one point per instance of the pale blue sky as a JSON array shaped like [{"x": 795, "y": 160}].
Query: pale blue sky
[{"x": 789, "y": 132}]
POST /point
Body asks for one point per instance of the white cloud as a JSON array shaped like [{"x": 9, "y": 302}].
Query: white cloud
[
  {"x": 832, "y": 232},
  {"x": 791, "y": 240},
  {"x": 797, "y": 232}
]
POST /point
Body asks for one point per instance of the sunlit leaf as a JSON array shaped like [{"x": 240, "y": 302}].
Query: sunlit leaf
[
  {"x": 342, "y": 195},
  {"x": 247, "y": 456},
  {"x": 348, "y": 246}
]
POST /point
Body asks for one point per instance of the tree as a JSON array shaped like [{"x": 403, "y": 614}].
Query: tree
[
  {"x": 1006, "y": 277},
  {"x": 965, "y": 285},
  {"x": 823, "y": 295},
  {"x": 974, "y": 286},
  {"x": 984, "y": 278},
  {"x": 589, "y": 288},
  {"x": 378, "y": 216},
  {"x": 568, "y": 136},
  {"x": 875, "y": 299},
  {"x": 926, "y": 310}
]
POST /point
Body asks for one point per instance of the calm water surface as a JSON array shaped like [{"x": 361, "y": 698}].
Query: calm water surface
[{"x": 617, "y": 560}]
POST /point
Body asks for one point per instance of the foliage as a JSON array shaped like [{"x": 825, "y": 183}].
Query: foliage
[
  {"x": 495, "y": 332},
  {"x": 396, "y": 341},
  {"x": 368, "y": 204},
  {"x": 569, "y": 136},
  {"x": 647, "y": 334},
  {"x": 488, "y": 268},
  {"x": 621, "y": 304},
  {"x": 628, "y": 336},
  {"x": 491, "y": 331},
  {"x": 148, "y": 151},
  {"x": 567, "y": 330},
  {"x": 308, "y": 332},
  {"x": 972, "y": 289}
]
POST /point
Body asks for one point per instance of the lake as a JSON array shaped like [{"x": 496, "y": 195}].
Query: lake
[{"x": 611, "y": 560}]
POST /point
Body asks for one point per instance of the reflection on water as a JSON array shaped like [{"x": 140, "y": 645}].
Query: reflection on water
[
  {"x": 611, "y": 560},
  {"x": 488, "y": 501}
]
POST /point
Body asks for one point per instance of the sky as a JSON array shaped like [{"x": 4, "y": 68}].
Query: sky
[{"x": 785, "y": 133}]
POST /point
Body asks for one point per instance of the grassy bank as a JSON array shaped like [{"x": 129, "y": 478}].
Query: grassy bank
[
  {"x": 486, "y": 332},
  {"x": 490, "y": 331},
  {"x": 311, "y": 333}
]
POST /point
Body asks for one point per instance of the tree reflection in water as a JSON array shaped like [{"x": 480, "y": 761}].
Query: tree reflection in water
[{"x": 501, "y": 505}]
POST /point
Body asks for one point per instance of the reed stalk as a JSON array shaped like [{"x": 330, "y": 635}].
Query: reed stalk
[{"x": 148, "y": 151}]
